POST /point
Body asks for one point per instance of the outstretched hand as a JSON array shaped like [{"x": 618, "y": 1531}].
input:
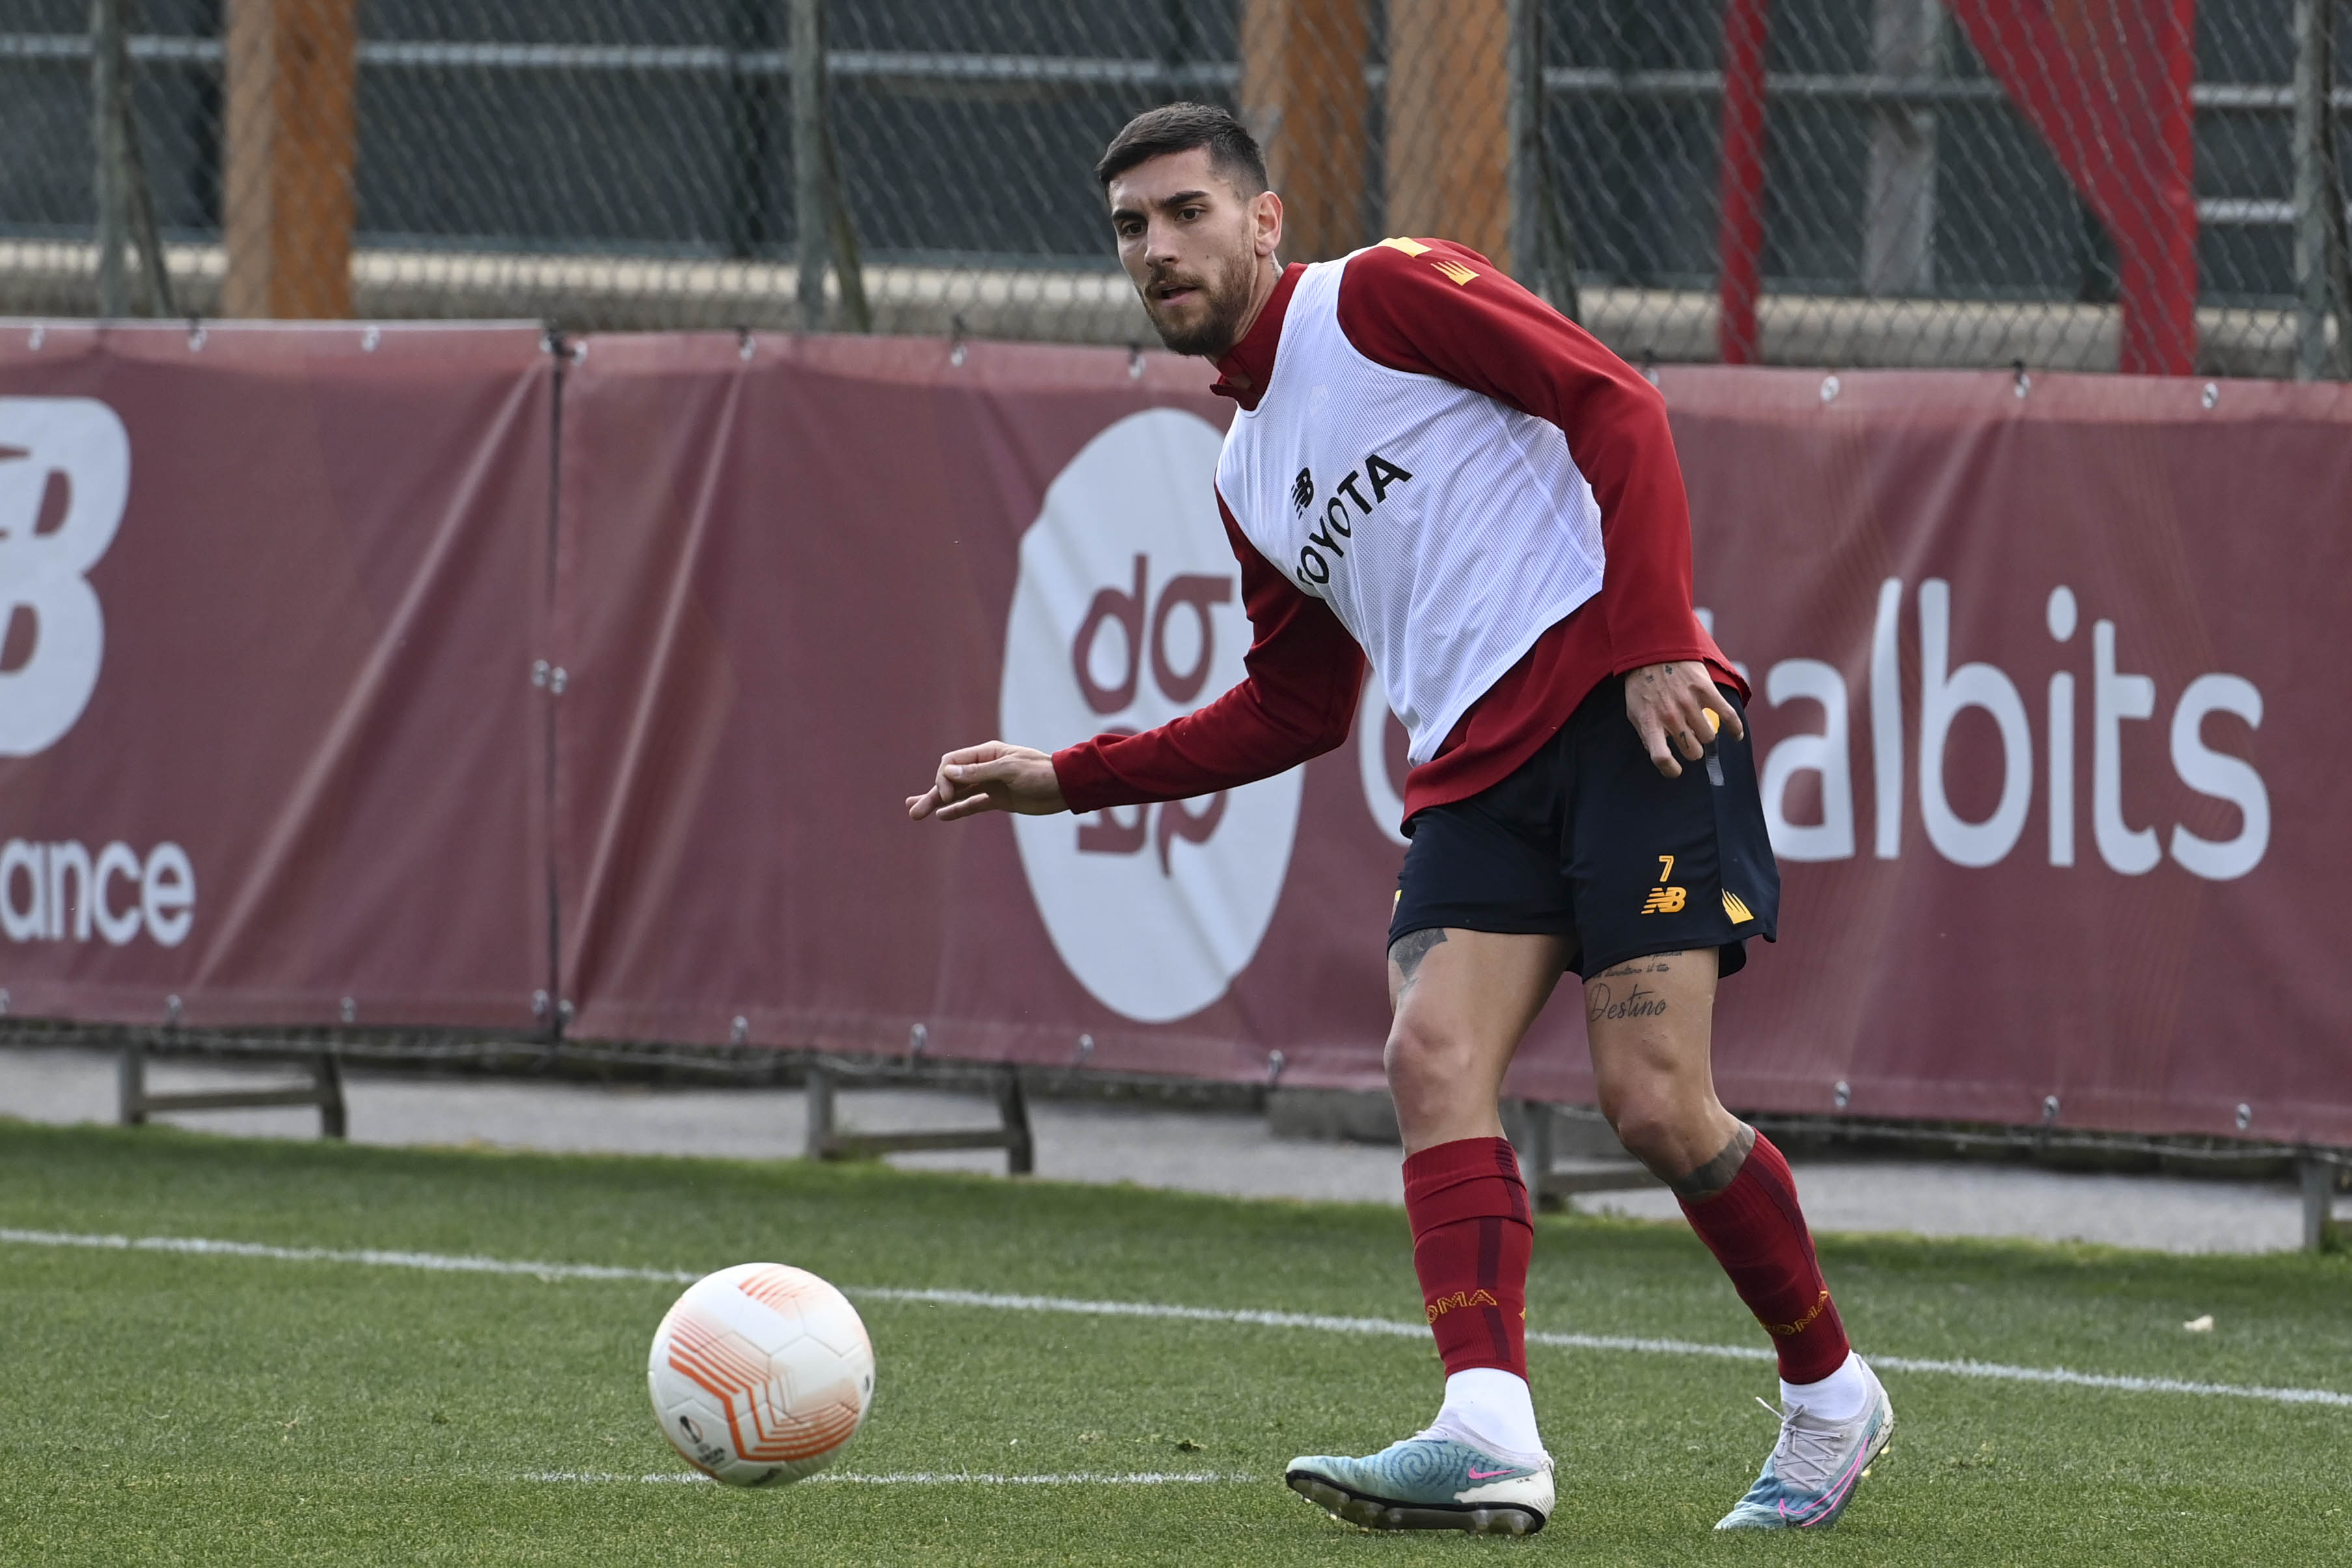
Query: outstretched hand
[
  {"x": 1677, "y": 708},
  {"x": 993, "y": 777}
]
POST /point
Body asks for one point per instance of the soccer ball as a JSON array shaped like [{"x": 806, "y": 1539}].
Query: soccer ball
[{"x": 761, "y": 1372}]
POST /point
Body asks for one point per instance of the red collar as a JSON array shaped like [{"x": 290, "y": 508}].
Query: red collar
[{"x": 1246, "y": 367}]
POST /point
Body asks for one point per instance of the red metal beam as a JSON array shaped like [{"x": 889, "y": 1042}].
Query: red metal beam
[{"x": 1739, "y": 236}]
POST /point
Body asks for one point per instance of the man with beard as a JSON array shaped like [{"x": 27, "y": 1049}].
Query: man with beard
[{"x": 1431, "y": 467}]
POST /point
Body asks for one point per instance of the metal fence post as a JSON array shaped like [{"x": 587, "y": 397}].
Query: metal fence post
[
  {"x": 107, "y": 129},
  {"x": 812, "y": 222},
  {"x": 1898, "y": 235},
  {"x": 2313, "y": 189},
  {"x": 1525, "y": 178}
]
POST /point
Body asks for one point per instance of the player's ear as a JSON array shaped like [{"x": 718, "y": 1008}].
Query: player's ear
[{"x": 1266, "y": 222}]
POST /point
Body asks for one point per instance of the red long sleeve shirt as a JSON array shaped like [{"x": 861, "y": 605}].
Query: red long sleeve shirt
[{"x": 1298, "y": 697}]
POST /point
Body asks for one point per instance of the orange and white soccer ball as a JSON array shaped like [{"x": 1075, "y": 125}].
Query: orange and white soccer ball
[{"x": 761, "y": 1372}]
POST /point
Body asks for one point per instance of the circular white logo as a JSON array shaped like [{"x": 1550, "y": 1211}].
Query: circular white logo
[
  {"x": 65, "y": 474},
  {"x": 1127, "y": 614}
]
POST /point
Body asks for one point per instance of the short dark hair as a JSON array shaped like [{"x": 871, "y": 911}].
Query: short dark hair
[{"x": 1180, "y": 128}]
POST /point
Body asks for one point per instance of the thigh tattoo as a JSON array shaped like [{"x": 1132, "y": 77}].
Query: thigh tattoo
[{"x": 1407, "y": 951}]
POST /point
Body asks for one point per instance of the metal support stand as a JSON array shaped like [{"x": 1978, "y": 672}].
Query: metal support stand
[
  {"x": 2320, "y": 1224},
  {"x": 827, "y": 1141},
  {"x": 1551, "y": 1180},
  {"x": 324, "y": 1091}
]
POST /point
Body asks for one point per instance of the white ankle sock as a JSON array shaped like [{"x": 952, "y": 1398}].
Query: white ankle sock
[
  {"x": 1841, "y": 1396},
  {"x": 1492, "y": 1409}
]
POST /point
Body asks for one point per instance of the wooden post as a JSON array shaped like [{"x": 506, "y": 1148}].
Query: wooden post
[
  {"x": 1449, "y": 135},
  {"x": 1303, "y": 97},
  {"x": 286, "y": 192}
]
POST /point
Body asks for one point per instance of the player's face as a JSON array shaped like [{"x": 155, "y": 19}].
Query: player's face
[{"x": 1193, "y": 247}]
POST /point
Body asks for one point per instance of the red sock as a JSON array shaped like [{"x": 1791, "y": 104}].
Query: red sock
[
  {"x": 1758, "y": 1233},
  {"x": 1471, "y": 1236}
]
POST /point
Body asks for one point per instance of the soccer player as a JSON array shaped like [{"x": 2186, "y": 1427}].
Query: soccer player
[{"x": 1430, "y": 467}]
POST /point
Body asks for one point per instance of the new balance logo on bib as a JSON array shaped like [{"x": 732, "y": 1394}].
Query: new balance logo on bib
[{"x": 1427, "y": 506}]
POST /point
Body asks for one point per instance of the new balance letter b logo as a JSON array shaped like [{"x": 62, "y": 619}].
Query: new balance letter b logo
[{"x": 65, "y": 474}]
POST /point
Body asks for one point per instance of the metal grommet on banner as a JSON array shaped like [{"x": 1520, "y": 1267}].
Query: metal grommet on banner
[
  {"x": 172, "y": 1009},
  {"x": 2049, "y": 1110},
  {"x": 539, "y": 668},
  {"x": 2212, "y": 393},
  {"x": 195, "y": 335},
  {"x": 743, "y": 343},
  {"x": 2024, "y": 381},
  {"x": 563, "y": 1010},
  {"x": 1842, "y": 1093},
  {"x": 955, "y": 339},
  {"x": 38, "y": 336},
  {"x": 1650, "y": 367},
  {"x": 370, "y": 338},
  {"x": 3, "y": 1001},
  {"x": 351, "y": 1010},
  {"x": 1274, "y": 1062},
  {"x": 539, "y": 1003},
  {"x": 556, "y": 678},
  {"x": 1085, "y": 1048},
  {"x": 1135, "y": 362},
  {"x": 917, "y": 1038},
  {"x": 740, "y": 1032},
  {"x": 580, "y": 350},
  {"x": 1829, "y": 389},
  {"x": 2245, "y": 1116}
]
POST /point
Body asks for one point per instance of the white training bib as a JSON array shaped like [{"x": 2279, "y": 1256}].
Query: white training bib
[{"x": 1446, "y": 531}]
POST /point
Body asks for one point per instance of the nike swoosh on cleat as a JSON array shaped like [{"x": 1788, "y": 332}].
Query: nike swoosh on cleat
[{"x": 1490, "y": 1475}]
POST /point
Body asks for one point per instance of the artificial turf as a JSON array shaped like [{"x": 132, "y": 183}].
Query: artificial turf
[{"x": 166, "y": 1408}]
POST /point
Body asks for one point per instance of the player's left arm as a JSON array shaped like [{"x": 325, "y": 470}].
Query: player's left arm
[{"x": 1440, "y": 309}]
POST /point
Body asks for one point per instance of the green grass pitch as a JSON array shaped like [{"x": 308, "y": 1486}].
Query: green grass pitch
[{"x": 167, "y": 1408}]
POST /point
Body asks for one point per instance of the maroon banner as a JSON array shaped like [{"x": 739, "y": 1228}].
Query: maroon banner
[
  {"x": 2042, "y": 673},
  {"x": 269, "y": 749}
]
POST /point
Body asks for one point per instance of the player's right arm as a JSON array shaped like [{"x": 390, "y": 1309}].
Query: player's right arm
[{"x": 1297, "y": 702}]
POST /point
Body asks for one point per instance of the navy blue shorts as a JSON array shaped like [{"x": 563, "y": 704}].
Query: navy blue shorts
[{"x": 1588, "y": 840}]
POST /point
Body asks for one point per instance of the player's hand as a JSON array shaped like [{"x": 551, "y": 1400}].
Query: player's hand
[
  {"x": 1677, "y": 708},
  {"x": 990, "y": 777}
]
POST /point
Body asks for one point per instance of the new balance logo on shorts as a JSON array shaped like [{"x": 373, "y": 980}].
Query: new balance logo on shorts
[{"x": 1665, "y": 899}]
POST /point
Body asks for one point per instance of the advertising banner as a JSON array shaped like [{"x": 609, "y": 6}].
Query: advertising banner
[
  {"x": 2046, "y": 670},
  {"x": 2043, "y": 671},
  {"x": 269, "y": 752}
]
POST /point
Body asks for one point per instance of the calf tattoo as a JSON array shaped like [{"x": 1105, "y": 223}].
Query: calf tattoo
[
  {"x": 1409, "y": 950},
  {"x": 1717, "y": 1174}
]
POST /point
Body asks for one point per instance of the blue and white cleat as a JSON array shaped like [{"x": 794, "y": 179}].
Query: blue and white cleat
[
  {"x": 1815, "y": 1467},
  {"x": 1428, "y": 1482}
]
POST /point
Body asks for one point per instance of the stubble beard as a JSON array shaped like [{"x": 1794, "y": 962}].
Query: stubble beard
[{"x": 1214, "y": 333}]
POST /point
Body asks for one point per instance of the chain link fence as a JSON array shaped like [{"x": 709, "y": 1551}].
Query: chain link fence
[{"x": 2143, "y": 184}]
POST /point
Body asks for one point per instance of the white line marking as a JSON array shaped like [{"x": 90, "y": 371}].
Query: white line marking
[
  {"x": 447, "y": 1263},
  {"x": 921, "y": 1478},
  {"x": 438, "y": 1262}
]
